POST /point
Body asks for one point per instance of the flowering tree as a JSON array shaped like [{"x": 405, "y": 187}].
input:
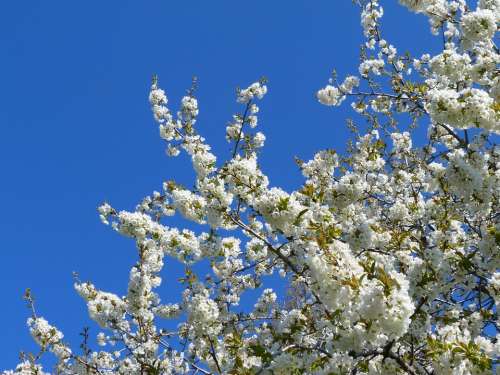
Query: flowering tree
[{"x": 391, "y": 252}]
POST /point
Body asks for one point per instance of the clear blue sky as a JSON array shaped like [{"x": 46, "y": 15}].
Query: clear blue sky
[{"x": 77, "y": 129}]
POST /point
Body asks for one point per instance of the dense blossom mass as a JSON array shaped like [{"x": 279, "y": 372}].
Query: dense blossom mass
[{"x": 390, "y": 252}]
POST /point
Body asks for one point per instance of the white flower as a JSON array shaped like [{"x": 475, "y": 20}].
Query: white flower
[
  {"x": 157, "y": 96},
  {"x": 330, "y": 96},
  {"x": 479, "y": 25},
  {"x": 203, "y": 314},
  {"x": 254, "y": 90},
  {"x": 374, "y": 66}
]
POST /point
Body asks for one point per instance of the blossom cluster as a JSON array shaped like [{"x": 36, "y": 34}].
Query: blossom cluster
[{"x": 390, "y": 252}]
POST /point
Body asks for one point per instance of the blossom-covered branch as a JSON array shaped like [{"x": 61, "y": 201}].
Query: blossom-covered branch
[{"x": 390, "y": 252}]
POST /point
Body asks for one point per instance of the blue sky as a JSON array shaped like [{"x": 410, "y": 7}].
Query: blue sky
[{"x": 77, "y": 129}]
